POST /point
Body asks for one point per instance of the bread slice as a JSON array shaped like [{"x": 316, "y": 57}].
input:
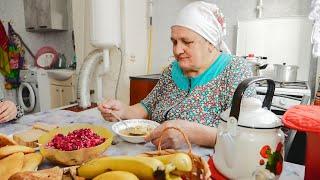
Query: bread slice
[
  {"x": 31, "y": 162},
  {"x": 11, "y": 165},
  {"x": 46, "y": 174},
  {"x": 5, "y": 140},
  {"x": 28, "y": 138},
  {"x": 44, "y": 126},
  {"x": 8, "y": 150}
]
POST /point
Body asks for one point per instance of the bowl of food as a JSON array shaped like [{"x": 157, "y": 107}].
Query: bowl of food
[
  {"x": 134, "y": 130},
  {"x": 75, "y": 144}
]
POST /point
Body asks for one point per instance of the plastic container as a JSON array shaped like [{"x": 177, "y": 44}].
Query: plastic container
[{"x": 105, "y": 25}]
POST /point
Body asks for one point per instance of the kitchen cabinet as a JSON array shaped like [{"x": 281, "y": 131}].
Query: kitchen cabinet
[
  {"x": 141, "y": 86},
  {"x": 62, "y": 92},
  {"x": 61, "y": 96},
  {"x": 46, "y": 15},
  {"x": 67, "y": 94},
  {"x": 55, "y": 96}
]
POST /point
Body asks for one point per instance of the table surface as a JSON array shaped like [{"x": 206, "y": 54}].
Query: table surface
[{"x": 92, "y": 116}]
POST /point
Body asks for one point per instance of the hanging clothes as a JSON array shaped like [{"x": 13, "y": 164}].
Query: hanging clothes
[
  {"x": 315, "y": 17},
  {"x": 16, "y": 50},
  {"x": 16, "y": 58},
  {"x": 4, "y": 59}
]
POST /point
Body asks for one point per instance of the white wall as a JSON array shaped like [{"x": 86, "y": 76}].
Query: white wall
[
  {"x": 61, "y": 41},
  {"x": 279, "y": 39},
  {"x": 165, "y": 11},
  {"x": 133, "y": 45},
  {"x": 134, "y": 33}
]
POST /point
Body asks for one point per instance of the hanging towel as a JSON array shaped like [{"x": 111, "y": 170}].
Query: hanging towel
[
  {"x": 16, "y": 58},
  {"x": 16, "y": 50},
  {"x": 4, "y": 60}
]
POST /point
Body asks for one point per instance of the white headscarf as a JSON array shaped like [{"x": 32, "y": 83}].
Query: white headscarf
[{"x": 205, "y": 19}]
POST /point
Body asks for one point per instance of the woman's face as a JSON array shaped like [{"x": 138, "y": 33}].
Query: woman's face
[{"x": 190, "y": 50}]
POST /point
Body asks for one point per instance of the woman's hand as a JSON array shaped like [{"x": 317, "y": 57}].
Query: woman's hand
[
  {"x": 171, "y": 138},
  {"x": 8, "y": 111},
  {"x": 112, "y": 105},
  {"x": 197, "y": 134}
]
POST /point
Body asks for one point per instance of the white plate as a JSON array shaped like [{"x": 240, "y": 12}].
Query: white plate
[{"x": 117, "y": 127}]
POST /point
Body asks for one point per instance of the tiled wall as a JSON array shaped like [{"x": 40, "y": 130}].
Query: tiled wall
[{"x": 245, "y": 10}]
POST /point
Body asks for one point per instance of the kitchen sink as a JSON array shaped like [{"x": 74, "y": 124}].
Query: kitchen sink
[{"x": 60, "y": 74}]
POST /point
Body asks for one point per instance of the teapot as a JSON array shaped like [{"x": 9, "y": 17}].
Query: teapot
[{"x": 249, "y": 138}]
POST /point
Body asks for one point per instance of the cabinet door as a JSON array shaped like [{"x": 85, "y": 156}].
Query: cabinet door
[
  {"x": 30, "y": 14},
  {"x": 55, "y": 96},
  {"x": 67, "y": 94},
  {"x": 44, "y": 14},
  {"x": 140, "y": 88}
]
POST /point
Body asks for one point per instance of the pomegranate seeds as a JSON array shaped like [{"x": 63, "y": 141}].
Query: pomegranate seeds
[{"x": 75, "y": 140}]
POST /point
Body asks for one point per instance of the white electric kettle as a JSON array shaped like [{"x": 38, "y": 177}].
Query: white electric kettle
[{"x": 249, "y": 141}]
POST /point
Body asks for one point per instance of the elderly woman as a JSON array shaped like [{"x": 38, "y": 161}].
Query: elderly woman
[{"x": 195, "y": 88}]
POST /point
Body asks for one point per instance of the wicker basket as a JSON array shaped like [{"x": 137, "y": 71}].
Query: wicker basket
[{"x": 200, "y": 168}]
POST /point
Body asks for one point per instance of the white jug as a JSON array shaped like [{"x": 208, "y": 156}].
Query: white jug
[{"x": 249, "y": 141}]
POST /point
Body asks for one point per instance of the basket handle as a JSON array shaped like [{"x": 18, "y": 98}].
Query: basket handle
[{"x": 184, "y": 136}]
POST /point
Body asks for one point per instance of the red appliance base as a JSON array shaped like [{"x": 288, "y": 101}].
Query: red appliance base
[
  {"x": 215, "y": 174},
  {"x": 312, "y": 161}
]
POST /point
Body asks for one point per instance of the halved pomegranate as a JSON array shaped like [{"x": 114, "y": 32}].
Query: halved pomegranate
[{"x": 75, "y": 140}]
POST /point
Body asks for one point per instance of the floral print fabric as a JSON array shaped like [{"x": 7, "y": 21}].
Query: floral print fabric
[{"x": 204, "y": 103}]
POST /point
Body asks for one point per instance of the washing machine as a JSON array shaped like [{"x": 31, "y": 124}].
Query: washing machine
[{"x": 34, "y": 90}]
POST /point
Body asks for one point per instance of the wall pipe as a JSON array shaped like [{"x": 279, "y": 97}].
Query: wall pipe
[{"x": 85, "y": 75}]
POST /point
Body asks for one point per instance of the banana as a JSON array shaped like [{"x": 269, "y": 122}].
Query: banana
[
  {"x": 173, "y": 177},
  {"x": 168, "y": 169},
  {"x": 31, "y": 162},
  {"x": 116, "y": 175},
  {"x": 181, "y": 161},
  {"x": 7, "y": 150},
  {"x": 142, "y": 167}
]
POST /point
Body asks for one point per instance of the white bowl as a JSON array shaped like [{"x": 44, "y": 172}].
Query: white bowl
[{"x": 119, "y": 126}]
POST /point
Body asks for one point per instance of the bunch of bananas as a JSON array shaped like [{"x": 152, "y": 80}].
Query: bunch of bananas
[{"x": 168, "y": 167}]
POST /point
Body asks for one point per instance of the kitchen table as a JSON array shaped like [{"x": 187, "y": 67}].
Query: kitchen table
[{"x": 291, "y": 171}]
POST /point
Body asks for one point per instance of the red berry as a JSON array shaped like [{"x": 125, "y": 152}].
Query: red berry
[
  {"x": 80, "y": 138},
  {"x": 265, "y": 151}
]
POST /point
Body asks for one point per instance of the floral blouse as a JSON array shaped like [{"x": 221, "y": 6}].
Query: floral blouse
[{"x": 199, "y": 99}]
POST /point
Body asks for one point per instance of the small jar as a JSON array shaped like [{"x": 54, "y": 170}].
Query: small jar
[{"x": 317, "y": 99}]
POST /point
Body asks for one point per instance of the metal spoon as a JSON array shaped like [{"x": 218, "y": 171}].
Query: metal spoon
[
  {"x": 132, "y": 130},
  {"x": 119, "y": 119}
]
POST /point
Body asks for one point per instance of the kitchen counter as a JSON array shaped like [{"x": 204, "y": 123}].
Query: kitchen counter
[
  {"x": 92, "y": 116},
  {"x": 148, "y": 76}
]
